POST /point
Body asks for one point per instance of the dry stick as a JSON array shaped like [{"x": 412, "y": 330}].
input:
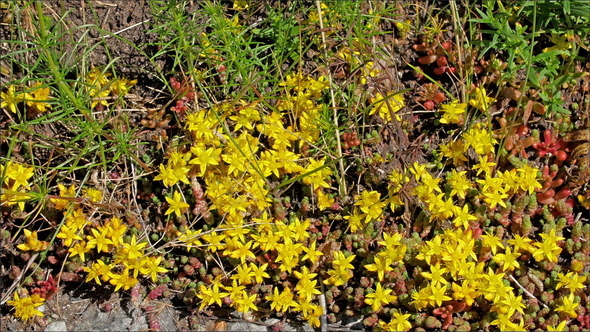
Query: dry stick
[
  {"x": 526, "y": 291},
  {"x": 323, "y": 317},
  {"x": 123, "y": 30},
  {"x": 334, "y": 111},
  {"x": 322, "y": 296},
  {"x": 17, "y": 279}
]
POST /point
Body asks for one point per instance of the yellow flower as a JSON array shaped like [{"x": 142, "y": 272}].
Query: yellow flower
[
  {"x": 39, "y": 97},
  {"x": 94, "y": 195},
  {"x": 436, "y": 274},
  {"x": 382, "y": 264},
  {"x": 568, "y": 306},
  {"x": 399, "y": 322},
  {"x": 437, "y": 294},
  {"x": 10, "y": 98},
  {"x": 513, "y": 303},
  {"x": 259, "y": 272},
  {"x": 60, "y": 203},
  {"x": 32, "y": 243},
  {"x": 468, "y": 292},
  {"x": 205, "y": 157},
  {"x": 281, "y": 301},
  {"x": 324, "y": 201},
  {"x": 121, "y": 86},
  {"x": 508, "y": 260},
  {"x": 246, "y": 303},
  {"x": 453, "y": 112},
  {"x": 123, "y": 280},
  {"x": 462, "y": 216},
  {"x": 317, "y": 173},
  {"x": 521, "y": 243},
  {"x": 242, "y": 251},
  {"x": 177, "y": 204},
  {"x": 379, "y": 297},
  {"x": 481, "y": 101},
  {"x": 369, "y": 203},
  {"x": 134, "y": 250},
  {"x": 240, "y": 4},
  {"x": 151, "y": 267},
  {"x": 99, "y": 240},
  {"x": 311, "y": 253},
  {"x": 26, "y": 308},
  {"x": 480, "y": 139},
  {"x": 244, "y": 274},
  {"x": 68, "y": 234},
  {"x": 79, "y": 249},
  {"x": 98, "y": 271},
  {"x": 356, "y": 220},
  {"x": 19, "y": 174},
  {"x": 548, "y": 248},
  {"x": 387, "y": 106},
  {"x": 571, "y": 281},
  {"x": 491, "y": 241},
  {"x": 167, "y": 175},
  {"x": 561, "y": 327}
]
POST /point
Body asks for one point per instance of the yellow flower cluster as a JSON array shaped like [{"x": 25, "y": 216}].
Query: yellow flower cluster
[
  {"x": 15, "y": 182},
  {"x": 288, "y": 242},
  {"x": 36, "y": 97},
  {"x": 125, "y": 258},
  {"x": 235, "y": 164},
  {"x": 100, "y": 87},
  {"x": 391, "y": 251},
  {"x": 495, "y": 188},
  {"x": 236, "y": 150},
  {"x": 387, "y": 106},
  {"x": 299, "y": 101},
  {"x": 368, "y": 207},
  {"x": 480, "y": 100},
  {"x": 458, "y": 273},
  {"x": 452, "y": 113},
  {"x": 26, "y": 308},
  {"x": 354, "y": 58},
  {"x": 341, "y": 269},
  {"x": 32, "y": 243}
]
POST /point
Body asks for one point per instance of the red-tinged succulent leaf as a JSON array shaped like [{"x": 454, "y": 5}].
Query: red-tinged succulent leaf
[
  {"x": 439, "y": 70},
  {"x": 427, "y": 59},
  {"x": 447, "y": 45},
  {"x": 563, "y": 193},
  {"x": 543, "y": 199},
  {"x": 439, "y": 98}
]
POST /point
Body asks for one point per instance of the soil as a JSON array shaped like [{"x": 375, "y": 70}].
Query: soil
[{"x": 129, "y": 20}]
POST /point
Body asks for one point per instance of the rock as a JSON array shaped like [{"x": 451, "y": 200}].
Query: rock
[
  {"x": 57, "y": 326},
  {"x": 125, "y": 318},
  {"x": 245, "y": 326}
]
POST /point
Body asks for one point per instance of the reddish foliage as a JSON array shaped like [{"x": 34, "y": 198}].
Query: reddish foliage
[
  {"x": 547, "y": 194},
  {"x": 157, "y": 292},
  {"x": 46, "y": 288},
  {"x": 350, "y": 139},
  {"x": 584, "y": 321},
  {"x": 551, "y": 146},
  {"x": 448, "y": 310}
]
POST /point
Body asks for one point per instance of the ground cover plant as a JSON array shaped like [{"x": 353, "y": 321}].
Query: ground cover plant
[{"x": 414, "y": 165}]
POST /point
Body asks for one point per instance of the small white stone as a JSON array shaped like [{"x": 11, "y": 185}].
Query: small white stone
[{"x": 57, "y": 326}]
